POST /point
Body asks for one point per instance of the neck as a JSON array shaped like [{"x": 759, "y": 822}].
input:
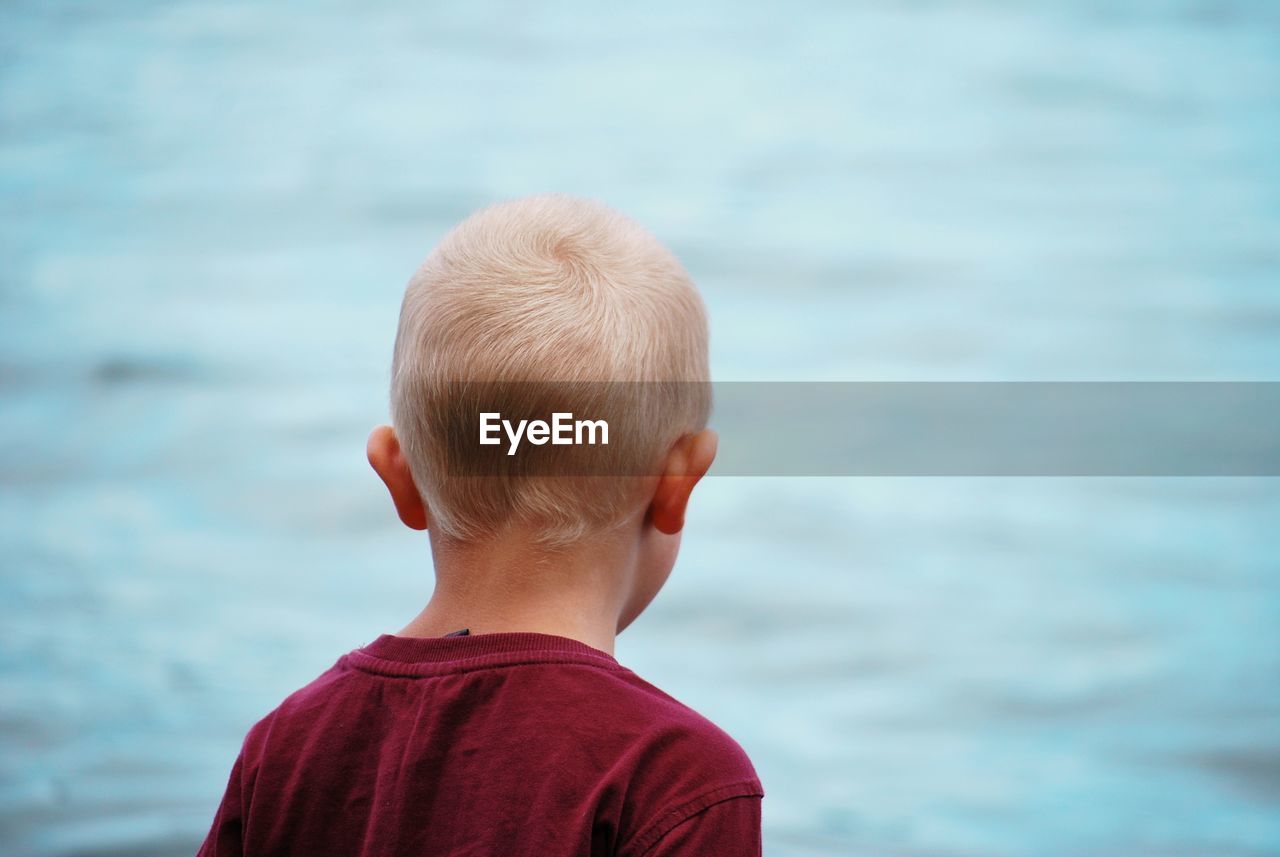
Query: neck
[{"x": 512, "y": 584}]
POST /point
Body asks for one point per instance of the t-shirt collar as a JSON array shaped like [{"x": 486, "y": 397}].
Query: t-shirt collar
[{"x": 390, "y": 654}]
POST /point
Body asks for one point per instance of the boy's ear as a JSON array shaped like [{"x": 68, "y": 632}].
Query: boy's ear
[
  {"x": 687, "y": 462},
  {"x": 388, "y": 462}
]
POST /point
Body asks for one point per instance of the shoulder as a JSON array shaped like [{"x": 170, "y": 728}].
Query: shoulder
[
  {"x": 687, "y": 739},
  {"x": 682, "y": 764},
  {"x": 653, "y": 752},
  {"x": 652, "y": 730},
  {"x": 292, "y": 714}
]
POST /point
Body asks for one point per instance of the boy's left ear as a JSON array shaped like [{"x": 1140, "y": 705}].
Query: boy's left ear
[
  {"x": 388, "y": 462},
  {"x": 687, "y": 462}
]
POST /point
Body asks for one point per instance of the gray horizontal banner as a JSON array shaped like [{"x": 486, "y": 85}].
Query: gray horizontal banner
[
  {"x": 886, "y": 428},
  {"x": 998, "y": 429}
]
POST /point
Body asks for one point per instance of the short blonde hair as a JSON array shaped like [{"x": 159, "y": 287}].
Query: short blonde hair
[{"x": 547, "y": 288}]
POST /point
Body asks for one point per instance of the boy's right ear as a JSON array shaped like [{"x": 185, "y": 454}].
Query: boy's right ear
[{"x": 389, "y": 463}]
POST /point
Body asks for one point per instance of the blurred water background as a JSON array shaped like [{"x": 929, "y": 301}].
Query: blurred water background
[{"x": 210, "y": 210}]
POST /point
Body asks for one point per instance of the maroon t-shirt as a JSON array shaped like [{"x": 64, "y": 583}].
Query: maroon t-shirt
[{"x": 496, "y": 744}]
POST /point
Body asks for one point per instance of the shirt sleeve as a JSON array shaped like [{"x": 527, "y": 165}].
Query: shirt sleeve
[
  {"x": 721, "y": 823},
  {"x": 226, "y": 837}
]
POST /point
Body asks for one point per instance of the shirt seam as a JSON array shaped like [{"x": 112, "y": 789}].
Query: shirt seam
[{"x": 664, "y": 824}]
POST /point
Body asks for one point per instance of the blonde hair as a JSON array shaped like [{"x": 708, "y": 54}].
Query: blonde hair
[{"x": 547, "y": 288}]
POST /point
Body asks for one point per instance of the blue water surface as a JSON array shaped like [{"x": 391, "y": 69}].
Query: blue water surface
[{"x": 210, "y": 210}]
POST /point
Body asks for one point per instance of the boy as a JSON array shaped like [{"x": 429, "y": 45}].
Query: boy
[{"x": 497, "y": 722}]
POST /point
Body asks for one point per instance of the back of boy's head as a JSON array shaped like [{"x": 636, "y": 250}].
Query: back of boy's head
[{"x": 542, "y": 289}]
